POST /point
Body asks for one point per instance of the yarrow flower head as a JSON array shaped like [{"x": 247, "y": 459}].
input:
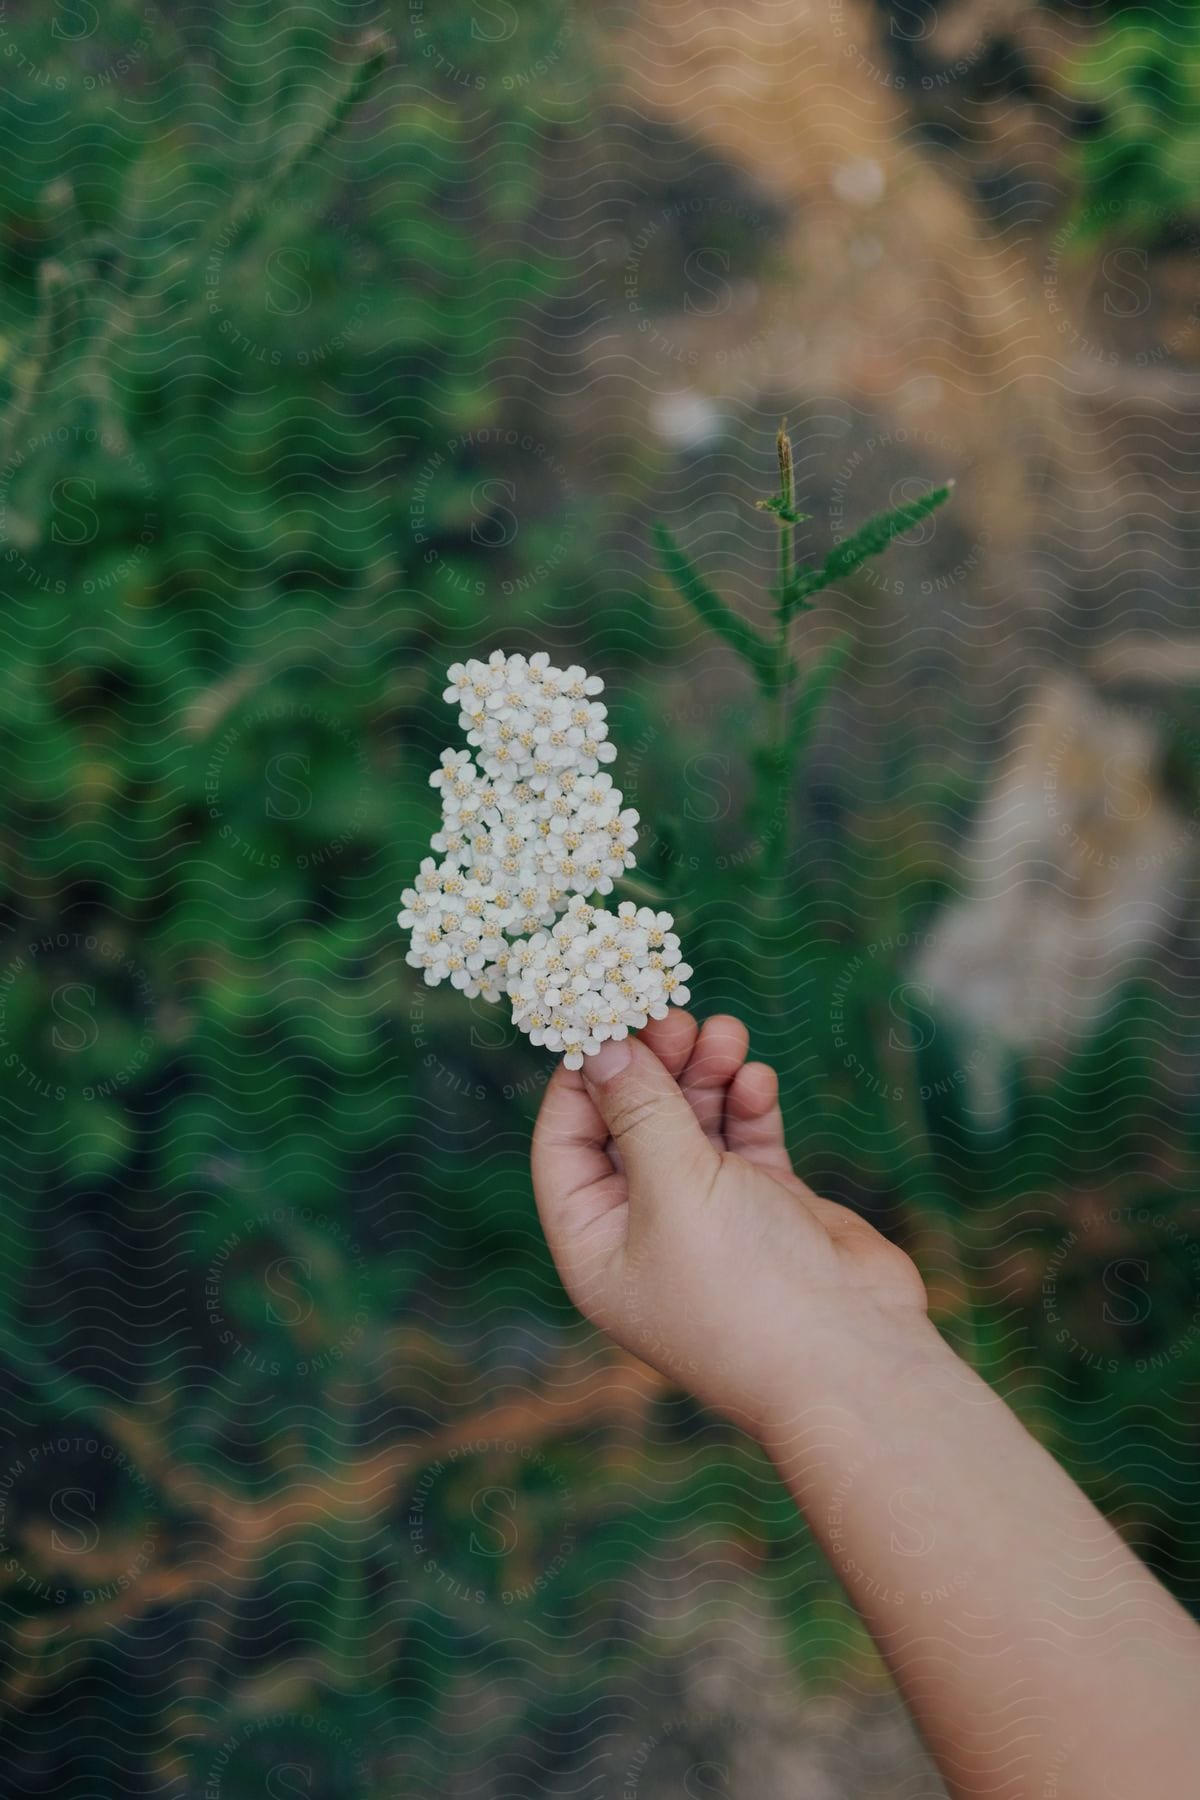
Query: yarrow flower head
[{"x": 532, "y": 827}]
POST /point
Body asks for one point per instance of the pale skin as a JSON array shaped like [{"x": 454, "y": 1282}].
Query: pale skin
[{"x": 1039, "y": 1657}]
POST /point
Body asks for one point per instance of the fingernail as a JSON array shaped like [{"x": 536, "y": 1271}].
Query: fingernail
[{"x": 612, "y": 1056}]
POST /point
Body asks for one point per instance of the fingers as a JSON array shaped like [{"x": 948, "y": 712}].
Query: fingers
[
  {"x": 753, "y": 1121},
  {"x": 573, "y": 1180},
  {"x": 573, "y": 1157},
  {"x": 672, "y": 1039},
  {"x": 719, "y": 1053},
  {"x": 661, "y": 1145}
]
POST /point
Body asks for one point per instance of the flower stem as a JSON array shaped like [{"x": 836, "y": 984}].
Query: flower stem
[
  {"x": 775, "y": 809},
  {"x": 643, "y": 887},
  {"x": 787, "y": 493}
]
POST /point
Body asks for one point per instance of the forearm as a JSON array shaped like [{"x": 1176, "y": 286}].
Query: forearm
[{"x": 1038, "y": 1655}]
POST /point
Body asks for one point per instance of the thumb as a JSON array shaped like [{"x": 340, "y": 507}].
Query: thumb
[{"x": 656, "y": 1131}]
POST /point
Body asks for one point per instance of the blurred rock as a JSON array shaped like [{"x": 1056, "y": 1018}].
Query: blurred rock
[
  {"x": 723, "y": 1714},
  {"x": 1076, "y": 874},
  {"x": 685, "y": 418},
  {"x": 859, "y": 182}
]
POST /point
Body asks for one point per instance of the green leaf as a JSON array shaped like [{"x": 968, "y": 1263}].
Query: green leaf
[
  {"x": 712, "y": 611},
  {"x": 814, "y": 691},
  {"x": 868, "y": 541}
]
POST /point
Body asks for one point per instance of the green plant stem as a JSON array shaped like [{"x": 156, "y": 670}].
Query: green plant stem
[
  {"x": 774, "y": 776},
  {"x": 776, "y": 773},
  {"x": 775, "y": 782},
  {"x": 641, "y": 888}
]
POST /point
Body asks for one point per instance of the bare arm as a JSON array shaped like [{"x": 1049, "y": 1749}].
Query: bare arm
[{"x": 1039, "y": 1657}]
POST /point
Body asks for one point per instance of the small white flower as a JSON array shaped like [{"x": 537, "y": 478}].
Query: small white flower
[{"x": 532, "y": 826}]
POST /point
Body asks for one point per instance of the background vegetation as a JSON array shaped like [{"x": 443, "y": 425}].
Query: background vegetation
[{"x": 307, "y": 1462}]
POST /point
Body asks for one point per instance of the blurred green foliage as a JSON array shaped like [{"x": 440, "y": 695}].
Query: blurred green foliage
[
  {"x": 275, "y": 342},
  {"x": 1139, "y": 87}
]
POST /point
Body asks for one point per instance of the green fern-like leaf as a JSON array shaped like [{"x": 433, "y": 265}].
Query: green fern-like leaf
[
  {"x": 711, "y": 610},
  {"x": 868, "y": 541}
]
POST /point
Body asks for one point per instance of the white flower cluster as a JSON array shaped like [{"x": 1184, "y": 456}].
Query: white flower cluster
[{"x": 529, "y": 831}]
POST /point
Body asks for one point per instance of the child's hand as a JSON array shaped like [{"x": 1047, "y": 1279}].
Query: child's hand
[
  {"x": 678, "y": 1226},
  {"x": 1033, "y": 1648}
]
